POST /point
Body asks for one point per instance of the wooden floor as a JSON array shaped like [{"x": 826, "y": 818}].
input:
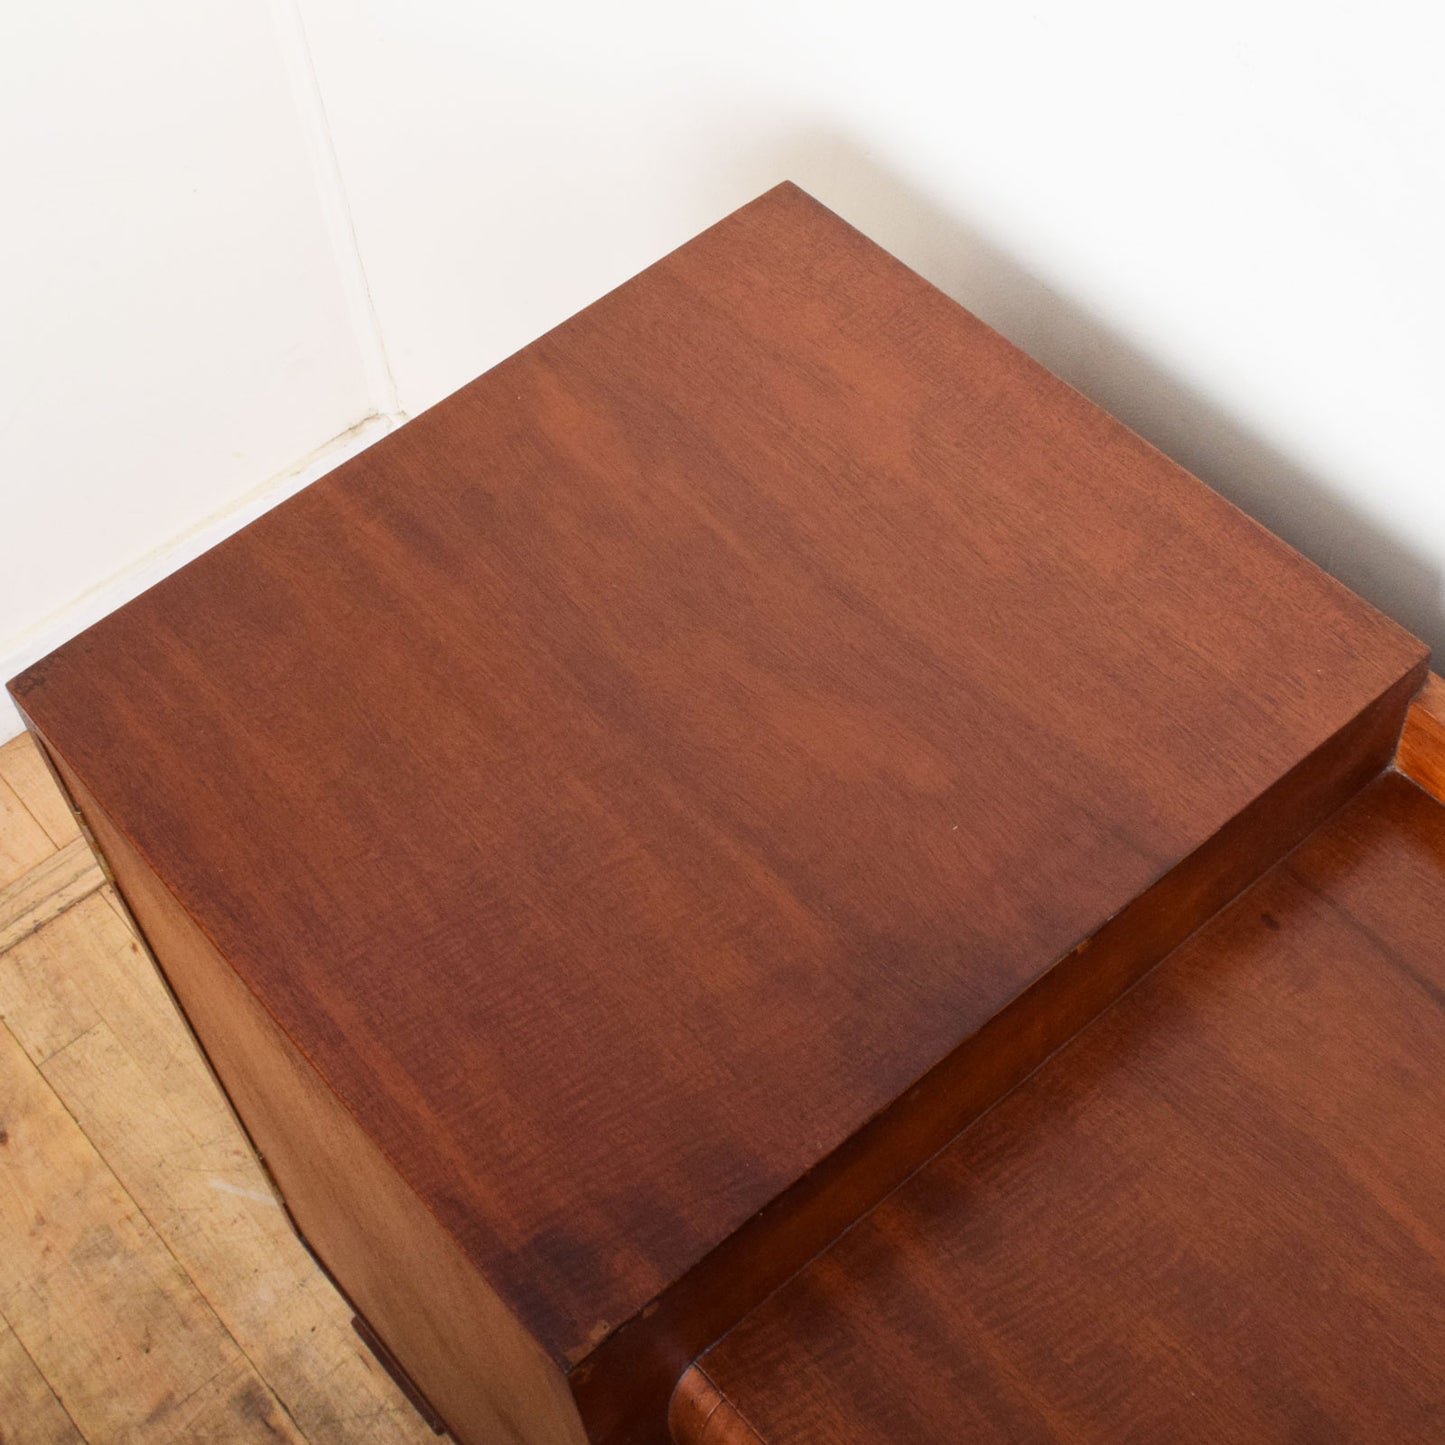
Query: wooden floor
[{"x": 151, "y": 1288}]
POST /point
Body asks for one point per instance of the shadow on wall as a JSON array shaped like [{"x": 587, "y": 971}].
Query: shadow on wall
[{"x": 1301, "y": 508}]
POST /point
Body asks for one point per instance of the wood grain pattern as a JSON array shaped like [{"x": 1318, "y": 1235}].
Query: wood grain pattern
[
  {"x": 30, "y": 1412},
  {"x": 1422, "y": 743},
  {"x": 647, "y": 768},
  {"x": 24, "y": 769},
  {"x": 95, "y": 1300},
  {"x": 24, "y": 844},
  {"x": 1218, "y": 1215}
]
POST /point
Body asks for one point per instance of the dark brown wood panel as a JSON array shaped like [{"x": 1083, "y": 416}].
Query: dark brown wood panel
[
  {"x": 1219, "y": 1214},
  {"x": 642, "y": 772}
]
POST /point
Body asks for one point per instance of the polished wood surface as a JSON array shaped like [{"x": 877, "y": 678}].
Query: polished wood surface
[
  {"x": 635, "y": 786},
  {"x": 1422, "y": 743},
  {"x": 1218, "y": 1215},
  {"x": 699, "y": 1414}
]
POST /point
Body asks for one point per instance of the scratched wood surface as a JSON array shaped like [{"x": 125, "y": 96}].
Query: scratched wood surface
[
  {"x": 634, "y": 775},
  {"x": 151, "y": 1288},
  {"x": 1218, "y": 1215}
]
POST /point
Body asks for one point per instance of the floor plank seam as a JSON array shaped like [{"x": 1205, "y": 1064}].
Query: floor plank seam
[
  {"x": 76, "y": 875},
  {"x": 30, "y": 933},
  {"x": 155, "y": 1228},
  {"x": 40, "y": 1374}
]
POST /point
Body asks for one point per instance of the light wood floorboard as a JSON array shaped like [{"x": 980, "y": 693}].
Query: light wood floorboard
[{"x": 151, "y": 1287}]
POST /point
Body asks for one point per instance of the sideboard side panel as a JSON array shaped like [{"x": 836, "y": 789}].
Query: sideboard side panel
[{"x": 489, "y": 1381}]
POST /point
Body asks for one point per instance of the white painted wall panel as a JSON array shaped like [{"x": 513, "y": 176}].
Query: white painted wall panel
[{"x": 175, "y": 331}]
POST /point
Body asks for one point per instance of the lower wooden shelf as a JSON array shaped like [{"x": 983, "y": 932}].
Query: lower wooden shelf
[{"x": 1218, "y": 1214}]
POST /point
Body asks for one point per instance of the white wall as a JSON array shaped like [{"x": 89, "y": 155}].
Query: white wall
[
  {"x": 1223, "y": 222},
  {"x": 181, "y": 335}
]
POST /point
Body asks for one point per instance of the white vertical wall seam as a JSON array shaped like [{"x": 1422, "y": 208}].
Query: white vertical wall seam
[{"x": 315, "y": 127}]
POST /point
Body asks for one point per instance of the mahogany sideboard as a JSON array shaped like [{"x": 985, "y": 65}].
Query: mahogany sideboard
[{"x": 768, "y": 872}]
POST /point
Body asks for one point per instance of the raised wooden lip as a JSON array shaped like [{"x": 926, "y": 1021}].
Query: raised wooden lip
[
  {"x": 702, "y": 1415},
  {"x": 1421, "y": 754}
]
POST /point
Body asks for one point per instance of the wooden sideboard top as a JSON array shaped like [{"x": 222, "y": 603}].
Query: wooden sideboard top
[
  {"x": 628, "y": 778},
  {"x": 1218, "y": 1214}
]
